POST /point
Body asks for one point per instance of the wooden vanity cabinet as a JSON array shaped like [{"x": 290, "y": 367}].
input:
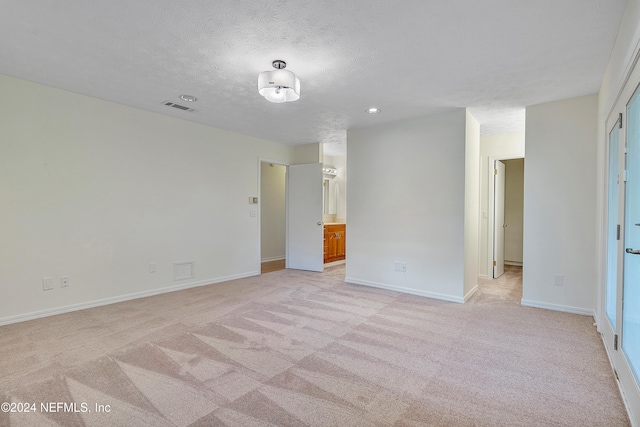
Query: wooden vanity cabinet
[{"x": 334, "y": 242}]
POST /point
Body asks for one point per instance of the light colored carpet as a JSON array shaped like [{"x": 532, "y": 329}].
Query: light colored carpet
[
  {"x": 293, "y": 348},
  {"x": 505, "y": 290}
]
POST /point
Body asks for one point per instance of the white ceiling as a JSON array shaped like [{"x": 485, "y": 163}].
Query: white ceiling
[{"x": 409, "y": 58}]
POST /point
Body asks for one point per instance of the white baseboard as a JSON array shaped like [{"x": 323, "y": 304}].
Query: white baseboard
[
  {"x": 633, "y": 413},
  {"x": 273, "y": 258},
  {"x": 121, "y": 298},
  {"x": 471, "y": 293},
  {"x": 482, "y": 276},
  {"x": 557, "y": 307},
  {"x": 433, "y": 295},
  {"x": 596, "y": 320},
  {"x": 516, "y": 263},
  {"x": 331, "y": 264}
]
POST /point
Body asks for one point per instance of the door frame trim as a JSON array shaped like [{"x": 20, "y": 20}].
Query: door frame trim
[
  {"x": 259, "y": 205},
  {"x": 627, "y": 384},
  {"x": 490, "y": 210},
  {"x": 604, "y": 327}
]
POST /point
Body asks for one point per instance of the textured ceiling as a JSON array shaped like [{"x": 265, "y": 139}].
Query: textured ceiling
[{"x": 410, "y": 58}]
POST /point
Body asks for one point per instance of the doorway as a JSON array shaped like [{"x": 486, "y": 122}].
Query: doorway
[
  {"x": 273, "y": 219},
  {"x": 506, "y": 207},
  {"x": 290, "y": 220},
  {"x": 304, "y": 217}
]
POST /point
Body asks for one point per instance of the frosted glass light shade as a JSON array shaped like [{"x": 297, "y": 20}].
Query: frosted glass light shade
[{"x": 279, "y": 86}]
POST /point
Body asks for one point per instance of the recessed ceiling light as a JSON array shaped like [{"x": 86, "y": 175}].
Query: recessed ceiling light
[
  {"x": 188, "y": 98},
  {"x": 373, "y": 110}
]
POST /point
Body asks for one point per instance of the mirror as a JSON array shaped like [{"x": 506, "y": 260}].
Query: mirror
[{"x": 330, "y": 197}]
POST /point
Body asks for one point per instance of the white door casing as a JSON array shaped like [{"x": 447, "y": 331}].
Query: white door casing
[
  {"x": 498, "y": 222},
  {"x": 620, "y": 297},
  {"x": 630, "y": 334}
]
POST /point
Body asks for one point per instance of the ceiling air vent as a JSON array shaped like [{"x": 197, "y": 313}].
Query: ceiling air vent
[{"x": 178, "y": 106}]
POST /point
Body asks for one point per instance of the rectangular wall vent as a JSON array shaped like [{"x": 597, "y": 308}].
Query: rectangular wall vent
[
  {"x": 178, "y": 106},
  {"x": 183, "y": 270}
]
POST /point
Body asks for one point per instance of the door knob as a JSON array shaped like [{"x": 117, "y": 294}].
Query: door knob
[
  {"x": 632, "y": 251},
  {"x": 319, "y": 222}
]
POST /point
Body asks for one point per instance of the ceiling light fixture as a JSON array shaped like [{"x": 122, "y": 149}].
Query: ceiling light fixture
[
  {"x": 188, "y": 98},
  {"x": 279, "y": 85},
  {"x": 330, "y": 171},
  {"x": 373, "y": 110}
]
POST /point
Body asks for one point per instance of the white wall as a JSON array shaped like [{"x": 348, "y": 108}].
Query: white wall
[
  {"x": 502, "y": 146},
  {"x": 560, "y": 205},
  {"x": 406, "y": 199},
  {"x": 309, "y": 153},
  {"x": 96, "y": 191},
  {"x": 513, "y": 210},
  {"x": 272, "y": 211}
]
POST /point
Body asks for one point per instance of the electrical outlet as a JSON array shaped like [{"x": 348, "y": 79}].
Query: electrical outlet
[
  {"x": 47, "y": 283},
  {"x": 64, "y": 282},
  {"x": 400, "y": 266},
  {"x": 558, "y": 280},
  {"x": 153, "y": 267}
]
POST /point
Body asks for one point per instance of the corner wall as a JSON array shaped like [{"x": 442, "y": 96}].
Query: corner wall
[
  {"x": 406, "y": 198},
  {"x": 560, "y": 205},
  {"x": 471, "y": 205},
  {"x": 97, "y": 191}
]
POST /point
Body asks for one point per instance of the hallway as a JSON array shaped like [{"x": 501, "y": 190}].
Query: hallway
[{"x": 506, "y": 289}]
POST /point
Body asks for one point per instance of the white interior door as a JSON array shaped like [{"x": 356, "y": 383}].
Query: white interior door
[
  {"x": 305, "y": 244},
  {"x": 498, "y": 219}
]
